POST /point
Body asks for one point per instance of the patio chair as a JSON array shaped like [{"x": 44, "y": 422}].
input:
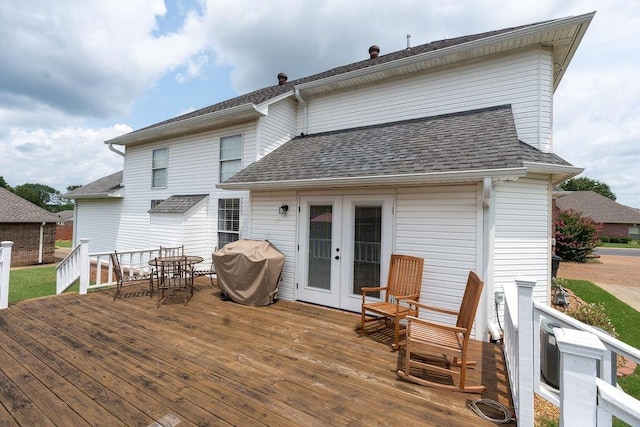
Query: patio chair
[
  {"x": 167, "y": 251},
  {"x": 429, "y": 343},
  {"x": 174, "y": 276},
  {"x": 131, "y": 278},
  {"x": 210, "y": 272},
  {"x": 403, "y": 283}
]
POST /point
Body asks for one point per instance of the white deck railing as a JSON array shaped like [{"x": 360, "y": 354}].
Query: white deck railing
[
  {"x": 95, "y": 270},
  {"x": 585, "y": 353},
  {"x": 5, "y": 268}
]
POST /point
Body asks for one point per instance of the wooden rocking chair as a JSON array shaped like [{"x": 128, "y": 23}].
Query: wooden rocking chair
[
  {"x": 428, "y": 341},
  {"x": 404, "y": 283}
]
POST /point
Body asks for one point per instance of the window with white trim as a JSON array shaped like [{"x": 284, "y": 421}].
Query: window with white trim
[
  {"x": 230, "y": 156},
  {"x": 159, "y": 168},
  {"x": 228, "y": 221}
]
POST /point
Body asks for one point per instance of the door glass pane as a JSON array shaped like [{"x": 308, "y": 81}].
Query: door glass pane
[
  {"x": 320, "y": 229},
  {"x": 367, "y": 247}
]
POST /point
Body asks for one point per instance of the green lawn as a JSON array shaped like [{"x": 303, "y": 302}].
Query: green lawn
[
  {"x": 33, "y": 283},
  {"x": 63, "y": 243},
  {"x": 633, "y": 244}
]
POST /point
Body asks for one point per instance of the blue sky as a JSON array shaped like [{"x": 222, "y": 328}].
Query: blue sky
[{"x": 75, "y": 73}]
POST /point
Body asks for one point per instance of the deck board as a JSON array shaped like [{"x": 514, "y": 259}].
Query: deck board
[{"x": 89, "y": 360}]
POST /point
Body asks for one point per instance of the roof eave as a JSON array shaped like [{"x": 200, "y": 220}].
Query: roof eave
[
  {"x": 437, "y": 56},
  {"x": 408, "y": 179},
  {"x": 558, "y": 173},
  {"x": 196, "y": 124}
]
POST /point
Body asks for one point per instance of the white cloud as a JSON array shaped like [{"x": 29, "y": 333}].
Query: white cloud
[{"x": 59, "y": 158}]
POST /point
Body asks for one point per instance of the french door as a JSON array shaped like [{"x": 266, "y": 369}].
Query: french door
[{"x": 345, "y": 243}]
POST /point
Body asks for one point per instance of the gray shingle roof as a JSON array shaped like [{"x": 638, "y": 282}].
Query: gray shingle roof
[
  {"x": 14, "y": 208},
  {"x": 103, "y": 186},
  {"x": 261, "y": 95},
  {"x": 178, "y": 204},
  {"x": 599, "y": 208},
  {"x": 477, "y": 140}
]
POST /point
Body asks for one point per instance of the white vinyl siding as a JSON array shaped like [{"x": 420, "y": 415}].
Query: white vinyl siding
[
  {"x": 522, "y": 80},
  {"x": 277, "y": 127},
  {"x": 98, "y": 221},
  {"x": 194, "y": 169},
  {"x": 267, "y": 224},
  {"x": 522, "y": 234},
  {"x": 440, "y": 224}
]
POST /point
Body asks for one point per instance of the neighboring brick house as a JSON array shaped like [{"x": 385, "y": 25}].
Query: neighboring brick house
[
  {"x": 64, "y": 229},
  {"x": 31, "y": 229},
  {"x": 618, "y": 220}
]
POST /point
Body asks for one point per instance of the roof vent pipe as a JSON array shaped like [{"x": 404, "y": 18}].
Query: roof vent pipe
[
  {"x": 374, "y": 51},
  {"x": 408, "y": 40},
  {"x": 282, "y": 79}
]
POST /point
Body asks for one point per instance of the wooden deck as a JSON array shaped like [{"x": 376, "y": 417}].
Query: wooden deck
[{"x": 86, "y": 360}]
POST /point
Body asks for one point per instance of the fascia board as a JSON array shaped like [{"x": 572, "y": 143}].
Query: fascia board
[
  {"x": 190, "y": 125},
  {"x": 413, "y": 179}
]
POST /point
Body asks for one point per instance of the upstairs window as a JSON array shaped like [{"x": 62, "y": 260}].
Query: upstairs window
[
  {"x": 230, "y": 156},
  {"x": 228, "y": 221},
  {"x": 159, "y": 168}
]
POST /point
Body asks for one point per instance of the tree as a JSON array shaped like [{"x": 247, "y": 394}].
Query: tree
[
  {"x": 38, "y": 194},
  {"x": 576, "y": 236},
  {"x": 3, "y": 184},
  {"x": 587, "y": 184}
]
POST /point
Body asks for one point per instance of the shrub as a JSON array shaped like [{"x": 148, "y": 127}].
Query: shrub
[
  {"x": 576, "y": 236},
  {"x": 593, "y": 314},
  {"x": 614, "y": 240},
  {"x": 624, "y": 240},
  {"x": 604, "y": 239}
]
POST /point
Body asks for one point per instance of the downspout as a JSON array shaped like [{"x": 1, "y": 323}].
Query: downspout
[
  {"x": 488, "y": 222},
  {"x": 305, "y": 113},
  {"x": 41, "y": 249},
  {"x": 114, "y": 150}
]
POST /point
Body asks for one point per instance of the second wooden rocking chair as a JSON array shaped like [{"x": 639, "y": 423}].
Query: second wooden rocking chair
[
  {"x": 427, "y": 342},
  {"x": 404, "y": 283}
]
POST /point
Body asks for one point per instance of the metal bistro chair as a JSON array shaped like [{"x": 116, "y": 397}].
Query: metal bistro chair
[
  {"x": 428, "y": 344},
  {"x": 123, "y": 278},
  {"x": 174, "y": 276},
  {"x": 403, "y": 284}
]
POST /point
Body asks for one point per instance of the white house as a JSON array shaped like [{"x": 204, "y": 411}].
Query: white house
[{"x": 442, "y": 151}]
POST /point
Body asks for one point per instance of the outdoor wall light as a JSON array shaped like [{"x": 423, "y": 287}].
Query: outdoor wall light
[{"x": 283, "y": 209}]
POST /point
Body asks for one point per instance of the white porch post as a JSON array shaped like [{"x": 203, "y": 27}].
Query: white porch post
[
  {"x": 579, "y": 353},
  {"x": 85, "y": 266},
  {"x": 525, "y": 287},
  {"x": 5, "y": 267}
]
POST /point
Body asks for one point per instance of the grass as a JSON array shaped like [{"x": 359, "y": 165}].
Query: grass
[
  {"x": 34, "y": 282},
  {"x": 63, "y": 243},
  {"x": 633, "y": 244}
]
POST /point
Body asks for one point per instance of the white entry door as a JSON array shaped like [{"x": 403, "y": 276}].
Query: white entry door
[{"x": 345, "y": 244}]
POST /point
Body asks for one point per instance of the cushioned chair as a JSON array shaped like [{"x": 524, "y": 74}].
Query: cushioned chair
[
  {"x": 429, "y": 343},
  {"x": 404, "y": 283}
]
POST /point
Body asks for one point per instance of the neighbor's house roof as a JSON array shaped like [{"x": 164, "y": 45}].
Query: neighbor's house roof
[
  {"x": 599, "y": 208},
  {"x": 563, "y": 35},
  {"x": 465, "y": 146},
  {"x": 178, "y": 204},
  {"x": 14, "y": 208},
  {"x": 108, "y": 186},
  {"x": 65, "y": 215}
]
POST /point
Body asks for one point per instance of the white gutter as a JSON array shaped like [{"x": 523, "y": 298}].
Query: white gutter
[
  {"x": 559, "y": 172},
  {"x": 305, "y": 114},
  {"x": 192, "y": 124},
  {"x": 409, "y": 179}
]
